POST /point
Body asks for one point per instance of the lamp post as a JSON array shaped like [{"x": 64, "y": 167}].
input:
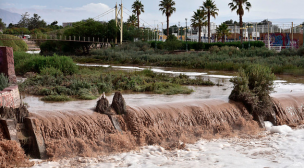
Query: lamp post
[{"x": 186, "y": 36}]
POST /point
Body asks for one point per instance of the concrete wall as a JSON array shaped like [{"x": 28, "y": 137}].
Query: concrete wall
[
  {"x": 7, "y": 63},
  {"x": 10, "y": 97}
]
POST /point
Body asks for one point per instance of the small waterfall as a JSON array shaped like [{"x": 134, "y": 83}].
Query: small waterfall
[
  {"x": 87, "y": 133},
  {"x": 289, "y": 109},
  {"x": 171, "y": 125}
]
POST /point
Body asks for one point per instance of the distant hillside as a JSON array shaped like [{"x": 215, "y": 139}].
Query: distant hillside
[{"x": 9, "y": 17}]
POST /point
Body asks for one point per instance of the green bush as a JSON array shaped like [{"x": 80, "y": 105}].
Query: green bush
[
  {"x": 252, "y": 87},
  {"x": 56, "y": 98},
  {"x": 51, "y": 71},
  {"x": 236, "y": 44},
  {"x": 300, "y": 51},
  {"x": 3, "y": 82},
  {"x": 35, "y": 63}
]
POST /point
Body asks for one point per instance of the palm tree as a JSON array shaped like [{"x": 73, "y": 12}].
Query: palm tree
[
  {"x": 167, "y": 8},
  {"x": 238, "y": 6},
  {"x": 132, "y": 21},
  {"x": 222, "y": 31},
  {"x": 199, "y": 20},
  {"x": 211, "y": 10},
  {"x": 138, "y": 8}
]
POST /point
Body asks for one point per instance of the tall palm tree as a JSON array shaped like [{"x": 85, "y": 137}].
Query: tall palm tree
[
  {"x": 138, "y": 8},
  {"x": 239, "y": 5},
  {"x": 167, "y": 8},
  {"x": 198, "y": 20},
  {"x": 211, "y": 9},
  {"x": 132, "y": 21},
  {"x": 222, "y": 31}
]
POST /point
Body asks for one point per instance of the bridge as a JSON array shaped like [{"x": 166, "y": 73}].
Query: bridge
[{"x": 119, "y": 11}]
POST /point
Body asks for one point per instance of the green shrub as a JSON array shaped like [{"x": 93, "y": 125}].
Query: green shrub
[
  {"x": 214, "y": 49},
  {"x": 35, "y": 63},
  {"x": 3, "y": 82},
  {"x": 258, "y": 44},
  {"x": 51, "y": 71},
  {"x": 86, "y": 94},
  {"x": 252, "y": 87},
  {"x": 56, "y": 98},
  {"x": 300, "y": 51}
]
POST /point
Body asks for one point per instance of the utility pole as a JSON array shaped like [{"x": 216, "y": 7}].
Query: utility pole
[
  {"x": 121, "y": 22},
  {"x": 186, "y": 36},
  {"x": 157, "y": 33},
  {"x": 155, "y": 39},
  {"x": 291, "y": 35},
  {"x": 120, "y": 26},
  {"x": 162, "y": 31},
  {"x": 303, "y": 33},
  {"x": 256, "y": 32},
  {"x": 268, "y": 36},
  {"x": 178, "y": 31},
  {"x": 116, "y": 20},
  {"x": 234, "y": 32}
]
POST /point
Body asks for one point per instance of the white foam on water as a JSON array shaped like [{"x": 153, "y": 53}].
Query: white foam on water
[
  {"x": 32, "y": 52},
  {"x": 278, "y": 150}
]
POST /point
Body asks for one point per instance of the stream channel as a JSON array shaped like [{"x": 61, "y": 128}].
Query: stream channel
[{"x": 283, "y": 84}]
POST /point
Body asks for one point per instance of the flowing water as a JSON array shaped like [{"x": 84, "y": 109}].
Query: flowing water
[{"x": 74, "y": 129}]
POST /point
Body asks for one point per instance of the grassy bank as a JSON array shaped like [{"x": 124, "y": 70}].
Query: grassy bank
[
  {"x": 12, "y": 41},
  {"x": 224, "y": 58},
  {"x": 54, "y": 79}
]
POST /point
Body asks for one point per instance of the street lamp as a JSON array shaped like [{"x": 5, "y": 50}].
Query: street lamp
[{"x": 186, "y": 36}]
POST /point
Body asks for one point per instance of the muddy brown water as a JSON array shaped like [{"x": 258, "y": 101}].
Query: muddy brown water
[
  {"x": 283, "y": 84},
  {"x": 73, "y": 128}
]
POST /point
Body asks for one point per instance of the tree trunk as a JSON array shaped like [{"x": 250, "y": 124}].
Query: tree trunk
[
  {"x": 199, "y": 35},
  {"x": 138, "y": 20},
  {"x": 223, "y": 39},
  {"x": 208, "y": 26},
  {"x": 241, "y": 30},
  {"x": 167, "y": 27}
]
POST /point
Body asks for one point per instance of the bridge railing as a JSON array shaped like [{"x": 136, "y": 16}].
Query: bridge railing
[{"x": 45, "y": 37}]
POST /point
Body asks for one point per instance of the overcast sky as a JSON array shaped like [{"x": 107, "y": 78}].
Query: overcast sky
[{"x": 278, "y": 11}]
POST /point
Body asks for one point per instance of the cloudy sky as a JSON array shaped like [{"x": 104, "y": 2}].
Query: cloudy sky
[{"x": 278, "y": 11}]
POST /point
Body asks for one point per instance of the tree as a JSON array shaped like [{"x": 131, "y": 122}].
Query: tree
[
  {"x": 167, "y": 8},
  {"x": 132, "y": 21},
  {"x": 35, "y": 22},
  {"x": 2, "y": 25},
  {"x": 231, "y": 22},
  {"x": 54, "y": 23},
  {"x": 211, "y": 9},
  {"x": 222, "y": 31},
  {"x": 89, "y": 29},
  {"x": 23, "y": 22},
  {"x": 138, "y": 8},
  {"x": 238, "y": 6},
  {"x": 199, "y": 20}
]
